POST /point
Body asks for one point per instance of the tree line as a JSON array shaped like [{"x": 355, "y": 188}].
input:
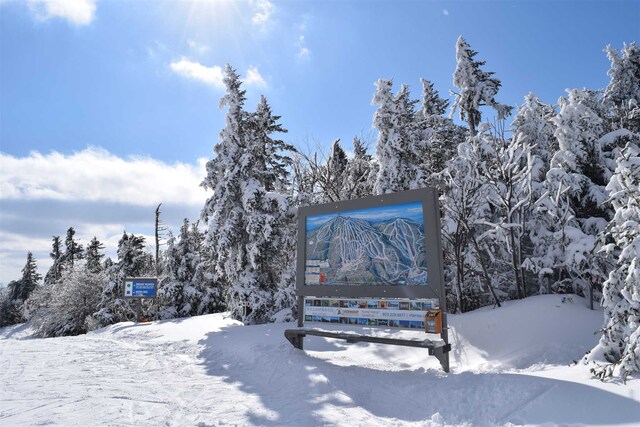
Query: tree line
[{"x": 548, "y": 202}]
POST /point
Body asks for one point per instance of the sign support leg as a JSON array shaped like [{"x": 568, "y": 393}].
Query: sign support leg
[{"x": 138, "y": 310}]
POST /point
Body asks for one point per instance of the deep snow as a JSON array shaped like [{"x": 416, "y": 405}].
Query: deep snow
[{"x": 512, "y": 365}]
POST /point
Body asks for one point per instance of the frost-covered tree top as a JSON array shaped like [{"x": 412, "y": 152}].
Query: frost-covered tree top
[
  {"x": 432, "y": 104},
  {"x": 398, "y": 136},
  {"x": 94, "y": 255},
  {"x": 624, "y": 85},
  {"x": 578, "y": 128},
  {"x": 476, "y": 88},
  {"x": 533, "y": 124}
]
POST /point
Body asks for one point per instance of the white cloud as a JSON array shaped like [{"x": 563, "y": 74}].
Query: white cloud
[
  {"x": 263, "y": 9},
  {"x": 79, "y": 12},
  {"x": 194, "y": 70},
  {"x": 197, "y": 47},
  {"x": 97, "y": 193},
  {"x": 303, "y": 51},
  {"x": 445, "y": 12},
  {"x": 94, "y": 174},
  {"x": 214, "y": 75},
  {"x": 255, "y": 78}
]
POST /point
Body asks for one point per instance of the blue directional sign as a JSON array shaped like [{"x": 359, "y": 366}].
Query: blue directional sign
[{"x": 140, "y": 287}]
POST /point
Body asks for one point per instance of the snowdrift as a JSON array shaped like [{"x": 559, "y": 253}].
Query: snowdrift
[{"x": 510, "y": 366}]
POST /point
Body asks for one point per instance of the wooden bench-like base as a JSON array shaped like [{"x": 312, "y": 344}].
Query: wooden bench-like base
[{"x": 439, "y": 349}]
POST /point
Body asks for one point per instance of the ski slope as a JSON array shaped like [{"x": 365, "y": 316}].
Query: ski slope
[{"x": 510, "y": 366}]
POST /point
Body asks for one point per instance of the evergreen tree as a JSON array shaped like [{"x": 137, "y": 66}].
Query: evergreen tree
[
  {"x": 94, "y": 256},
  {"x": 622, "y": 94},
  {"x": 29, "y": 280},
  {"x": 532, "y": 125},
  {"x": 476, "y": 88},
  {"x": 579, "y": 171},
  {"x": 439, "y": 136},
  {"x": 73, "y": 250},
  {"x": 335, "y": 173},
  {"x": 432, "y": 104},
  {"x": 358, "y": 170},
  {"x": 620, "y": 341},
  {"x": 55, "y": 271},
  {"x": 247, "y": 216},
  {"x": 398, "y": 135}
]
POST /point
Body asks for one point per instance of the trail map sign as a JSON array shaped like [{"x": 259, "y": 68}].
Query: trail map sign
[
  {"x": 140, "y": 287},
  {"x": 375, "y": 261}
]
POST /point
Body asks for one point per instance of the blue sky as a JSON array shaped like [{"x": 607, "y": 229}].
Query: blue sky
[
  {"x": 108, "y": 108},
  {"x": 412, "y": 211}
]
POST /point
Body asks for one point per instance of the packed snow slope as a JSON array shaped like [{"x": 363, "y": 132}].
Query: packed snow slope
[{"x": 510, "y": 366}]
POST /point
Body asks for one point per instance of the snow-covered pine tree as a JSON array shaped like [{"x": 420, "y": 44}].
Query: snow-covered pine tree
[
  {"x": 622, "y": 95},
  {"x": 578, "y": 169},
  {"x": 476, "y": 88},
  {"x": 357, "y": 183},
  {"x": 211, "y": 298},
  {"x": 439, "y": 136},
  {"x": 620, "y": 341},
  {"x": 29, "y": 280},
  {"x": 55, "y": 271},
  {"x": 12, "y": 305},
  {"x": 532, "y": 124},
  {"x": 94, "y": 256},
  {"x": 178, "y": 295},
  {"x": 247, "y": 215},
  {"x": 398, "y": 136},
  {"x": 73, "y": 250},
  {"x": 334, "y": 173}
]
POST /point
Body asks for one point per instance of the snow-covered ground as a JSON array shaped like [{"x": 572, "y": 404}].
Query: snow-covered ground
[{"x": 512, "y": 365}]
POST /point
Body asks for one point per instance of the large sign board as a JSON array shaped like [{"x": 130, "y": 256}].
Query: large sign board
[
  {"x": 378, "y": 247},
  {"x": 140, "y": 287},
  {"x": 375, "y": 262}
]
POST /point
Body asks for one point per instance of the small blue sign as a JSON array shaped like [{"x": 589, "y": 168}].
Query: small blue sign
[{"x": 140, "y": 288}]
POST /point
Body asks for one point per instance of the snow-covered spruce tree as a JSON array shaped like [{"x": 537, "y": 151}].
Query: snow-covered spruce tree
[
  {"x": 73, "y": 250},
  {"x": 247, "y": 215},
  {"x": 622, "y": 95},
  {"x": 620, "y": 341},
  {"x": 29, "y": 280},
  {"x": 18, "y": 292},
  {"x": 133, "y": 261},
  {"x": 178, "y": 294},
  {"x": 208, "y": 290},
  {"x": 578, "y": 169},
  {"x": 398, "y": 135},
  {"x": 334, "y": 173},
  {"x": 476, "y": 88},
  {"x": 55, "y": 271},
  {"x": 532, "y": 125},
  {"x": 357, "y": 183},
  {"x": 94, "y": 256},
  {"x": 439, "y": 136}
]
